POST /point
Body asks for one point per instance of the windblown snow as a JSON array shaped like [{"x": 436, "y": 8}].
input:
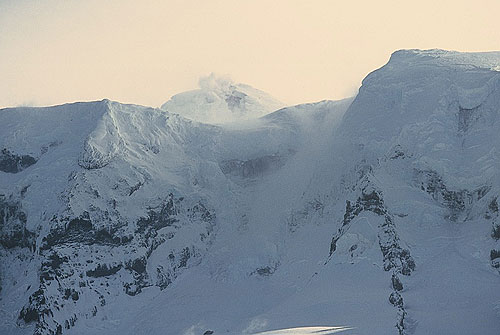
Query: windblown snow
[
  {"x": 220, "y": 100},
  {"x": 221, "y": 213}
]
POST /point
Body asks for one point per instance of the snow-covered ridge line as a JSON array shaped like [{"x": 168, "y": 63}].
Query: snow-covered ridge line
[
  {"x": 127, "y": 185},
  {"x": 489, "y": 60}
]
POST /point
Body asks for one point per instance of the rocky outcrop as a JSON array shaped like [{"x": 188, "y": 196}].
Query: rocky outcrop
[
  {"x": 396, "y": 258},
  {"x": 81, "y": 230},
  {"x": 253, "y": 167},
  {"x": 13, "y": 232},
  {"x": 80, "y": 258},
  {"x": 495, "y": 258},
  {"x": 459, "y": 202},
  {"x": 466, "y": 117},
  {"x": 14, "y": 163},
  {"x": 163, "y": 216},
  {"x": 492, "y": 214},
  {"x": 93, "y": 158}
]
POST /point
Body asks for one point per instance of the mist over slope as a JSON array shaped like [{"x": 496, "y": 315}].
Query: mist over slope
[
  {"x": 371, "y": 215},
  {"x": 220, "y": 100}
]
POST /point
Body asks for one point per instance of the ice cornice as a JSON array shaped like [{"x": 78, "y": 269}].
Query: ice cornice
[{"x": 489, "y": 60}]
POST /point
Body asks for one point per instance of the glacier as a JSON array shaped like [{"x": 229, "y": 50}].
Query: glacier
[{"x": 226, "y": 212}]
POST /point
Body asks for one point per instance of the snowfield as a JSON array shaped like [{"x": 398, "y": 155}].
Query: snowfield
[{"x": 224, "y": 212}]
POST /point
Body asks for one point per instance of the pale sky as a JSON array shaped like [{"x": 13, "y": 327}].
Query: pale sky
[{"x": 143, "y": 52}]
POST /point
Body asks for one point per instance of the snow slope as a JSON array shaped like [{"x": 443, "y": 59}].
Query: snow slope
[
  {"x": 220, "y": 100},
  {"x": 372, "y": 215}
]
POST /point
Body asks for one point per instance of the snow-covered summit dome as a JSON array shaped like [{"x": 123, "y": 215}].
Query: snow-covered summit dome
[{"x": 220, "y": 100}]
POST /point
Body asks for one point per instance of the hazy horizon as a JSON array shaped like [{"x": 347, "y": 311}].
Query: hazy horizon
[{"x": 53, "y": 52}]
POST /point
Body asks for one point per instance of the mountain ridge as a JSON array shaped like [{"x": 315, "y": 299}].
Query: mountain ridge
[{"x": 378, "y": 212}]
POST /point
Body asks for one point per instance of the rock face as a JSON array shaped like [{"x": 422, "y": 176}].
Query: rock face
[
  {"x": 396, "y": 259},
  {"x": 253, "y": 167},
  {"x": 79, "y": 260},
  {"x": 12, "y": 163},
  {"x": 378, "y": 212},
  {"x": 13, "y": 225},
  {"x": 124, "y": 198},
  {"x": 98, "y": 238}
]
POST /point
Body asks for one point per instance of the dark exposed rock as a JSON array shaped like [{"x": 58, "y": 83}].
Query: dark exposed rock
[
  {"x": 266, "y": 270},
  {"x": 494, "y": 254},
  {"x": 496, "y": 231},
  {"x": 81, "y": 230},
  {"x": 396, "y": 258},
  {"x": 163, "y": 278},
  {"x": 333, "y": 244},
  {"x": 63, "y": 268},
  {"x": 185, "y": 256},
  {"x": 253, "y": 167},
  {"x": 396, "y": 299},
  {"x": 166, "y": 215},
  {"x": 103, "y": 270},
  {"x": 69, "y": 292},
  {"x": 29, "y": 314},
  {"x": 158, "y": 218},
  {"x": 18, "y": 238},
  {"x": 396, "y": 283},
  {"x": 134, "y": 288},
  {"x": 493, "y": 206},
  {"x": 200, "y": 211},
  {"x": 55, "y": 261},
  {"x": 433, "y": 184},
  {"x": 135, "y": 188},
  {"x": 350, "y": 212},
  {"x": 208, "y": 332},
  {"x": 370, "y": 201},
  {"x": 492, "y": 214},
  {"x": 401, "y": 325},
  {"x": 398, "y": 152},
  {"x": 481, "y": 192},
  {"x": 36, "y": 307},
  {"x": 457, "y": 201},
  {"x": 465, "y": 118},
  {"x": 24, "y": 190},
  {"x": 13, "y": 163},
  {"x": 495, "y": 258},
  {"x": 235, "y": 100},
  {"x": 51, "y": 268},
  {"x": 138, "y": 265},
  {"x": 13, "y": 219},
  {"x": 71, "y": 321},
  {"x": 166, "y": 275},
  {"x": 92, "y": 158}
]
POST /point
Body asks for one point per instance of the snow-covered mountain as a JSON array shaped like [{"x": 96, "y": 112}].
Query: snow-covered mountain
[
  {"x": 220, "y": 100},
  {"x": 371, "y": 215}
]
